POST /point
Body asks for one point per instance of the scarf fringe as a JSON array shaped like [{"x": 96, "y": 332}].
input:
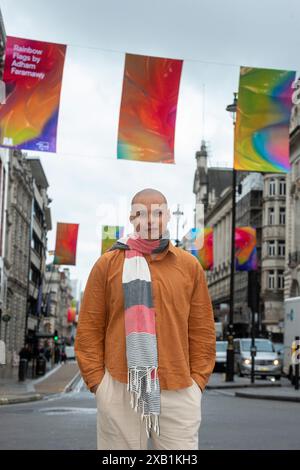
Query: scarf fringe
[{"x": 134, "y": 386}]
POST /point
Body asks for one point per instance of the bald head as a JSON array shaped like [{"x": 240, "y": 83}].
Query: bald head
[
  {"x": 148, "y": 194},
  {"x": 149, "y": 213}
]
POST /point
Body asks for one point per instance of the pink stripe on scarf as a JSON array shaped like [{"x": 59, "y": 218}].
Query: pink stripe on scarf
[
  {"x": 140, "y": 319},
  {"x": 142, "y": 245}
]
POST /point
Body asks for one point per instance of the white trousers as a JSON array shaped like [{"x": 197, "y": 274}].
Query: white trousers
[{"x": 120, "y": 427}]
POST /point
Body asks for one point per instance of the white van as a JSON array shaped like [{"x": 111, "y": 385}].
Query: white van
[
  {"x": 266, "y": 362},
  {"x": 70, "y": 352}
]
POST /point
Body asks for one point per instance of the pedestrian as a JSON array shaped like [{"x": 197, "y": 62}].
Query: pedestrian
[
  {"x": 48, "y": 354},
  {"x": 64, "y": 356},
  {"x": 25, "y": 352},
  {"x": 57, "y": 354},
  {"x": 145, "y": 340}
]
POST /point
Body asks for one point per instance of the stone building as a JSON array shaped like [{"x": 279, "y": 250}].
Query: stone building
[
  {"x": 20, "y": 194},
  {"x": 40, "y": 225},
  {"x": 292, "y": 252},
  {"x": 273, "y": 251}
]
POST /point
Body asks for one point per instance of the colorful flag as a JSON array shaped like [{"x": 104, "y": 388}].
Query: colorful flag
[
  {"x": 262, "y": 122},
  {"x": 33, "y": 75},
  {"x": 200, "y": 243},
  {"x": 66, "y": 243},
  {"x": 71, "y": 315},
  {"x": 110, "y": 234},
  {"x": 245, "y": 249},
  {"x": 148, "y": 109}
]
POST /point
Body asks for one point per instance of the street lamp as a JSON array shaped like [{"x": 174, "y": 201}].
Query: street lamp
[
  {"x": 178, "y": 214},
  {"x": 231, "y": 108}
]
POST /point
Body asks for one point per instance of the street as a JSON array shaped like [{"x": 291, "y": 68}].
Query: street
[{"x": 68, "y": 422}]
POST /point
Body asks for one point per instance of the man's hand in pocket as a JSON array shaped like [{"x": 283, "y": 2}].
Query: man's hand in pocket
[{"x": 94, "y": 388}]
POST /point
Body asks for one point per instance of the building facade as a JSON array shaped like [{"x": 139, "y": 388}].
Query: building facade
[
  {"x": 4, "y": 158},
  {"x": 59, "y": 293},
  {"x": 209, "y": 184},
  {"x": 20, "y": 195},
  {"x": 246, "y": 284},
  {"x": 292, "y": 256},
  {"x": 273, "y": 251}
]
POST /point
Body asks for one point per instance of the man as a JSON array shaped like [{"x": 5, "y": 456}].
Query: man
[
  {"x": 145, "y": 340},
  {"x": 25, "y": 352}
]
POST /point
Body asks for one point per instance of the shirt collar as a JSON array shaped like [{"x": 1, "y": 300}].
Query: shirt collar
[{"x": 172, "y": 248}]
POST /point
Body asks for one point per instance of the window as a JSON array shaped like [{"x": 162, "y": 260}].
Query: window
[
  {"x": 263, "y": 345},
  {"x": 281, "y": 248},
  {"x": 282, "y": 187},
  {"x": 271, "y": 216},
  {"x": 271, "y": 279},
  {"x": 35, "y": 276},
  {"x": 280, "y": 279},
  {"x": 221, "y": 346},
  {"x": 272, "y": 187},
  {"x": 271, "y": 248},
  {"x": 282, "y": 215}
]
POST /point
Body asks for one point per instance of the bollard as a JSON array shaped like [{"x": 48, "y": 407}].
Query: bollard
[{"x": 40, "y": 366}]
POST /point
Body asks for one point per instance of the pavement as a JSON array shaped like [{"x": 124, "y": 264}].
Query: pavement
[
  {"x": 60, "y": 378},
  {"x": 64, "y": 377},
  {"x": 263, "y": 389}
]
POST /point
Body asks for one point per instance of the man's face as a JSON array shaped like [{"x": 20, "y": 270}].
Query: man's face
[{"x": 150, "y": 217}]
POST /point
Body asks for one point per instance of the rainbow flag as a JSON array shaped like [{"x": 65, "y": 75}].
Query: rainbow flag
[
  {"x": 264, "y": 106},
  {"x": 200, "y": 243},
  {"x": 66, "y": 243},
  {"x": 148, "y": 109},
  {"x": 71, "y": 314},
  {"x": 245, "y": 249},
  {"x": 33, "y": 75},
  {"x": 110, "y": 234}
]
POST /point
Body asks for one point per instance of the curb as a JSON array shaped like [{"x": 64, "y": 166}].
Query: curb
[
  {"x": 12, "y": 401},
  {"x": 267, "y": 397},
  {"x": 44, "y": 377},
  {"x": 255, "y": 385},
  {"x": 69, "y": 387}
]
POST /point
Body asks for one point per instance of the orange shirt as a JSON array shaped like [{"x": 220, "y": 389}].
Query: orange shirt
[{"x": 185, "y": 329}]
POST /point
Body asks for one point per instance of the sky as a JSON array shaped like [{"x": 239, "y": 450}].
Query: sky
[{"x": 87, "y": 183}]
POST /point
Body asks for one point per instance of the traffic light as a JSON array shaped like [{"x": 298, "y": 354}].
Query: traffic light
[{"x": 55, "y": 337}]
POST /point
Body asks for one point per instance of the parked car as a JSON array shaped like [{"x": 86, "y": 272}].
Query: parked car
[
  {"x": 266, "y": 362},
  {"x": 221, "y": 356}
]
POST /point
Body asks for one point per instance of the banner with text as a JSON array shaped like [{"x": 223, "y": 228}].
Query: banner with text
[{"x": 33, "y": 76}]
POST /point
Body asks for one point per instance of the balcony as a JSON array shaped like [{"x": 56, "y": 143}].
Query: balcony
[{"x": 294, "y": 259}]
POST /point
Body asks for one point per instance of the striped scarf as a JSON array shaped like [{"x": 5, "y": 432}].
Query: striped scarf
[{"x": 141, "y": 343}]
